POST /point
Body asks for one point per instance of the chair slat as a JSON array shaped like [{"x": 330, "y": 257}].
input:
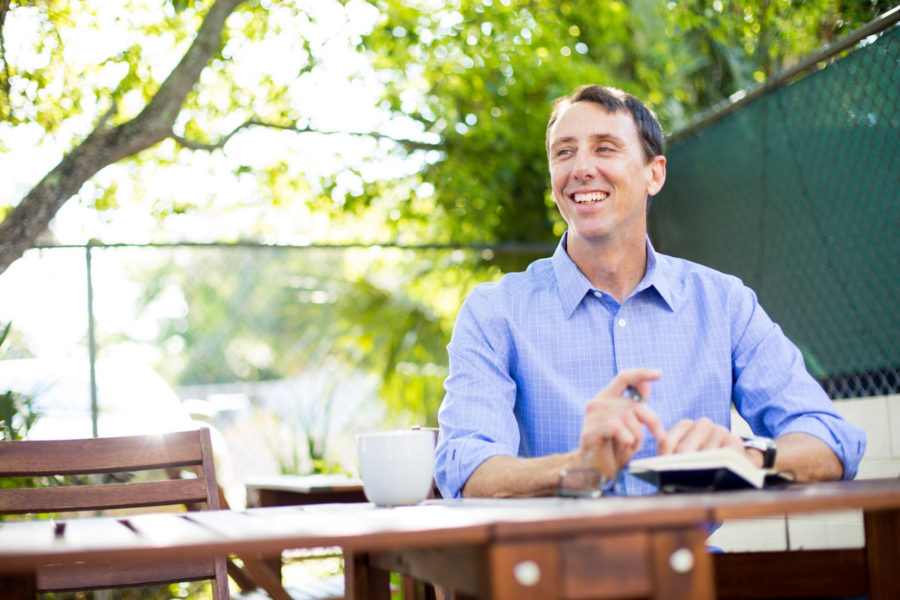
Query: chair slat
[
  {"x": 99, "y": 455},
  {"x": 171, "y": 452},
  {"x": 112, "y": 575},
  {"x": 99, "y": 497}
]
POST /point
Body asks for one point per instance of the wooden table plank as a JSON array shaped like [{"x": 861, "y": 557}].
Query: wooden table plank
[
  {"x": 799, "y": 573},
  {"x": 19, "y": 537},
  {"x": 289, "y": 490},
  {"x": 550, "y": 533},
  {"x": 461, "y": 568},
  {"x": 865, "y": 494},
  {"x": 364, "y": 581},
  {"x": 305, "y": 483},
  {"x": 566, "y": 516},
  {"x": 165, "y": 529},
  {"x": 102, "y": 533},
  {"x": 524, "y": 570},
  {"x": 883, "y": 553},
  {"x": 609, "y": 566},
  {"x": 682, "y": 568}
]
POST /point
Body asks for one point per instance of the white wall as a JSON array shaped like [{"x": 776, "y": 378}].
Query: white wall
[{"x": 880, "y": 417}]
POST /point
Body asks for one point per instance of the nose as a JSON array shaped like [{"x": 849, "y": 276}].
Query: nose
[{"x": 583, "y": 168}]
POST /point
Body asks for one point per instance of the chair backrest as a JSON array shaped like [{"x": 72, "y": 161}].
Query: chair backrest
[{"x": 77, "y": 463}]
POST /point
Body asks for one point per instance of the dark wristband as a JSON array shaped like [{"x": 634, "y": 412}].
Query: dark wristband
[{"x": 764, "y": 445}]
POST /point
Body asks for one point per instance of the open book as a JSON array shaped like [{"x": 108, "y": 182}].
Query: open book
[{"x": 715, "y": 469}]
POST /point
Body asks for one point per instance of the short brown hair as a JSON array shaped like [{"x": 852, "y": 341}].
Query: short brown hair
[{"x": 615, "y": 100}]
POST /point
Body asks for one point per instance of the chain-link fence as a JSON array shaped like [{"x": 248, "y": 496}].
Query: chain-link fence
[
  {"x": 797, "y": 193},
  {"x": 286, "y": 351}
]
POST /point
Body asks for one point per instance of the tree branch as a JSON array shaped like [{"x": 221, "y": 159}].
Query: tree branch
[
  {"x": 409, "y": 144},
  {"x": 105, "y": 145},
  {"x": 155, "y": 122}
]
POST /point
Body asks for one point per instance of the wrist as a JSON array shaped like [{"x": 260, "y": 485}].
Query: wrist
[
  {"x": 578, "y": 475},
  {"x": 761, "y": 451}
]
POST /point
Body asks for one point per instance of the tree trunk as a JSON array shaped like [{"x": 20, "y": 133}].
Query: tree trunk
[{"x": 106, "y": 145}]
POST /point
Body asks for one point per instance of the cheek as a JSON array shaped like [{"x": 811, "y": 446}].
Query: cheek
[{"x": 557, "y": 181}]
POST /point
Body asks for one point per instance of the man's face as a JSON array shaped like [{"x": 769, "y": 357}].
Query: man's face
[{"x": 598, "y": 175}]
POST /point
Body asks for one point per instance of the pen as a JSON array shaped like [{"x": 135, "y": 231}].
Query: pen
[{"x": 634, "y": 394}]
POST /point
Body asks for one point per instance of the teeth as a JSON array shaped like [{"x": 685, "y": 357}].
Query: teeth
[{"x": 591, "y": 197}]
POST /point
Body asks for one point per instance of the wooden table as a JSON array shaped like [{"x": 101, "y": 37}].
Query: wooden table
[
  {"x": 505, "y": 549},
  {"x": 296, "y": 490},
  {"x": 300, "y": 490}
]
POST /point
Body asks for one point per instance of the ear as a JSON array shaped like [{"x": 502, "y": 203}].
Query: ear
[{"x": 657, "y": 168}]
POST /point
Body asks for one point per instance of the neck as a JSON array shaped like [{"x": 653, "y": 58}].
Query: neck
[{"x": 614, "y": 269}]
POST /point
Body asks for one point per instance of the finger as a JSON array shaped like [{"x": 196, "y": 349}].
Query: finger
[
  {"x": 632, "y": 421},
  {"x": 602, "y": 409},
  {"x": 605, "y": 452},
  {"x": 696, "y": 437},
  {"x": 648, "y": 417},
  {"x": 670, "y": 440},
  {"x": 734, "y": 441},
  {"x": 625, "y": 443},
  {"x": 640, "y": 378},
  {"x": 612, "y": 429},
  {"x": 719, "y": 438}
]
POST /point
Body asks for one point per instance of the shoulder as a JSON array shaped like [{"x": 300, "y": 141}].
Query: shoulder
[
  {"x": 694, "y": 279},
  {"x": 513, "y": 292},
  {"x": 717, "y": 296},
  {"x": 537, "y": 278}
]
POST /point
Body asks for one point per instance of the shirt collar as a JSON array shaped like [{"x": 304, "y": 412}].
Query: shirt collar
[
  {"x": 657, "y": 277},
  {"x": 573, "y": 285}
]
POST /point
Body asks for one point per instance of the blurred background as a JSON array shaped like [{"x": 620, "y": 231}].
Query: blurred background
[{"x": 276, "y": 232}]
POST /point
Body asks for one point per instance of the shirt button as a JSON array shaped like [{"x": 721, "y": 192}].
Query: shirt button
[
  {"x": 621, "y": 322},
  {"x": 598, "y": 294}
]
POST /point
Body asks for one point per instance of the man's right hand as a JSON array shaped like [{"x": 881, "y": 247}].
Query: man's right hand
[
  {"x": 610, "y": 436},
  {"x": 612, "y": 432}
]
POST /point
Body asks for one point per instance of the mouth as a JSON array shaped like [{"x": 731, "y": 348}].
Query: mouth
[{"x": 589, "y": 197}]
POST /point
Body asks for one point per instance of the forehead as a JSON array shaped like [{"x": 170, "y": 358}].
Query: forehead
[{"x": 587, "y": 119}]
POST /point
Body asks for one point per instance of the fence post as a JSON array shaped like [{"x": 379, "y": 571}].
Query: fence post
[{"x": 92, "y": 348}]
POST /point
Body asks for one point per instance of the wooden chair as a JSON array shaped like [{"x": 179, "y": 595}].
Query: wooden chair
[{"x": 82, "y": 461}]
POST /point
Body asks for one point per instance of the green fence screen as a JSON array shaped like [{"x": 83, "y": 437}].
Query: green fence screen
[{"x": 797, "y": 194}]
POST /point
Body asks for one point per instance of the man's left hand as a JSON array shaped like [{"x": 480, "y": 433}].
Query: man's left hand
[{"x": 689, "y": 436}]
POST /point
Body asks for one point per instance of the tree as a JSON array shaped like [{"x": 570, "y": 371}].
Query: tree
[
  {"x": 479, "y": 77},
  {"x": 109, "y": 141},
  {"x": 133, "y": 108},
  {"x": 471, "y": 78},
  {"x": 465, "y": 87},
  {"x": 255, "y": 314}
]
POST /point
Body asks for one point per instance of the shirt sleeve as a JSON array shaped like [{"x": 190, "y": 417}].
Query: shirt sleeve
[
  {"x": 774, "y": 391},
  {"x": 477, "y": 417}
]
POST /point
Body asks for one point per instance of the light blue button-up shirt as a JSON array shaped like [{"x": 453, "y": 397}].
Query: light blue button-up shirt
[{"x": 530, "y": 350}]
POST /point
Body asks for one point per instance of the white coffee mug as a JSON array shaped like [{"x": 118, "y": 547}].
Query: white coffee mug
[{"x": 396, "y": 467}]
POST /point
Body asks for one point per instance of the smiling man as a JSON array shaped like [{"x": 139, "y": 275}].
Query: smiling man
[{"x": 540, "y": 361}]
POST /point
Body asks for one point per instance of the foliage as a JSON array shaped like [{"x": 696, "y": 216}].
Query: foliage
[
  {"x": 463, "y": 89},
  {"x": 255, "y": 314},
  {"x": 17, "y": 414},
  {"x": 730, "y": 46},
  {"x": 469, "y": 82},
  {"x": 479, "y": 77}
]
